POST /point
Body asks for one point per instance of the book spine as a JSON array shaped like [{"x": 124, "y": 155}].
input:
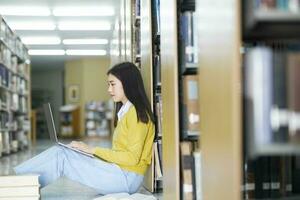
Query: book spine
[
  {"x": 187, "y": 172},
  {"x": 279, "y": 113},
  {"x": 293, "y": 83},
  {"x": 191, "y": 106},
  {"x": 249, "y": 180},
  {"x": 275, "y": 177},
  {"x": 258, "y": 95},
  {"x": 198, "y": 174}
]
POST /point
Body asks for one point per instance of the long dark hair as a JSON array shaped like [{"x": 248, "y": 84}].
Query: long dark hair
[{"x": 134, "y": 90}]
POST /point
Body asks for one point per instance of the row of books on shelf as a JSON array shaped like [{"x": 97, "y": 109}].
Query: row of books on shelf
[
  {"x": 272, "y": 95},
  {"x": 18, "y": 85},
  {"x": 97, "y": 129},
  {"x": 4, "y": 76},
  {"x": 13, "y": 102},
  {"x": 19, "y": 187},
  {"x": 137, "y": 43},
  {"x": 22, "y": 123},
  {"x": 65, "y": 118},
  {"x": 190, "y": 171},
  {"x": 188, "y": 36},
  {"x": 19, "y": 104},
  {"x": 156, "y": 17},
  {"x": 158, "y": 110},
  {"x": 189, "y": 108},
  {"x": 12, "y": 41},
  {"x": 11, "y": 142},
  {"x": 98, "y": 118},
  {"x": 12, "y": 81},
  {"x": 99, "y": 105},
  {"x": 4, "y": 120},
  {"x": 137, "y": 8},
  {"x": 156, "y": 45},
  {"x": 271, "y": 177},
  {"x": 190, "y": 156},
  {"x": 136, "y": 27},
  {"x": 12, "y": 62},
  {"x": 283, "y": 5},
  {"x": 6, "y": 57},
  {"x": 12, "y": 122}
]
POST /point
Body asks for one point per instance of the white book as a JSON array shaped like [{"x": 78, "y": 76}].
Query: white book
[
  {"x": 258, "y": 96},
  {"x": 19, "y": 180},
  {"x": 198, "y": 174},
  {"x": 20, "y": 191},
  {"x": 126, "y": 196},
  {"x": 158, "y": 170}
]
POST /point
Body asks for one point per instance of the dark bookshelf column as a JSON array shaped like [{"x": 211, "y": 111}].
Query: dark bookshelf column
[{"x": 271, "y": 48}]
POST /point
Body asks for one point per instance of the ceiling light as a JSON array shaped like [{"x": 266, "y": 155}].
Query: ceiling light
[
  {"x": 98, "y": 52},
  {"x": 25, "y": 11},
  {"x": 41, "y": 40},
  {"x": 83, "y": 25},
  {"x": 46, "y": 52},
  {"x": 32, "y": 25},
  {"x": 84, "y": 11},
  {"x": 85, "y": 41}
]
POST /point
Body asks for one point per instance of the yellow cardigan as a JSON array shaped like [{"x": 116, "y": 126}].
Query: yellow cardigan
[{"x": 131, "y": 144}]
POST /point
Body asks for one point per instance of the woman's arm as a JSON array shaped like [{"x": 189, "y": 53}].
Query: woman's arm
[{"x": 131, "y": 154}]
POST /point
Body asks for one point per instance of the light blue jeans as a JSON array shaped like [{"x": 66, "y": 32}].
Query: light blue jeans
[{"x": 59, "y": 161}]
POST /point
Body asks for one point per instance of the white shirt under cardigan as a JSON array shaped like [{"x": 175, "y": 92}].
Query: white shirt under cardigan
[{"x": 124, "y": 109}]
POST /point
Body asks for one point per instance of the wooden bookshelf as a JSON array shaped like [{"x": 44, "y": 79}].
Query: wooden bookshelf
[
  {"x": 146, "y": 70},
  {"x": 169, "y": 88},
  {"x": 15, "y": 92},
  {"x": 220, "y": 98}
]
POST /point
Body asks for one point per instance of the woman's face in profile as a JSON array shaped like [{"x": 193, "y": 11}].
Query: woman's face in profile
[{"x": 115, "y": 89}]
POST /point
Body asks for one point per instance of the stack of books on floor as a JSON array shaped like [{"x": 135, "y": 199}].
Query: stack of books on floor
[{"x": 19, "y": 187}]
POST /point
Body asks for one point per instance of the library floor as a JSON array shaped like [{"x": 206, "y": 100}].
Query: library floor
[{"x": 63, "y": 188}]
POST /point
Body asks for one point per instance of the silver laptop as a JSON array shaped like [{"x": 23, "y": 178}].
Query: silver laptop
[{"x": 52, "y": 130}]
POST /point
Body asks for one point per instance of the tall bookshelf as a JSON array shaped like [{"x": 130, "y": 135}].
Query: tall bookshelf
[
  {"x": 146, "y": 70},
  {"x": 170, "y": 98},
  {"x": 15, "y": 92},
  {"x": 220, "y": 97},
  {"x": 151, "y": 70},
  {"x": 220, "y": 125}
]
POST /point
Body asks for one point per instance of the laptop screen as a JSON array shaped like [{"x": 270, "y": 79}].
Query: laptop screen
[{"x": 50, "y": 122}]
